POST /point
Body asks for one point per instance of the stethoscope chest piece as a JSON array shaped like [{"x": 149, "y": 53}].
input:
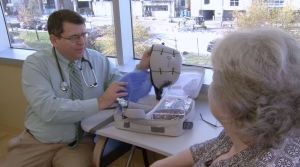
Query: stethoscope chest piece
[{"x": 64, "y": 86}]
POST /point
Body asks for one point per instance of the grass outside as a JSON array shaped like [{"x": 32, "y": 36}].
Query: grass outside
[
  {"x": 194, "y": 59},
  {"x": 31, "y": 39},
  {"x": 40, "y": 40}
]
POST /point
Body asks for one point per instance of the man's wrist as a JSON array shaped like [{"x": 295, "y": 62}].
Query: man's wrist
[
  {"x": 138, "y": 67},
  {"x": 100, "y": 103}
]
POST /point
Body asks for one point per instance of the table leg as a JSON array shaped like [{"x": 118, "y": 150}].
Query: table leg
[
  {"x": 130, "y": 156},
  {"x": 145, "y": 157}
]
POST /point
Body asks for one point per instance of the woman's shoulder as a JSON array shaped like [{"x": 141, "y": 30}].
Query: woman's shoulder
[
  {"x": 286, "y": 153},
  {"x": 208, "y": 150},
  {"x": 222, "y": 138}
]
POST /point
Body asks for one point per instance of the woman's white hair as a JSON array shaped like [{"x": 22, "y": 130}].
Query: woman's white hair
[{"x": 257, "y": 78}]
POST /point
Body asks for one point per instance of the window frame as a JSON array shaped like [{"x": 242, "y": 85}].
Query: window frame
[
  {"x": 4, "y": 43},
  {"x": 125, "y": 60}
]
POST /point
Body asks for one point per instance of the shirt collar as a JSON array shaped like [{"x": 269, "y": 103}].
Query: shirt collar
[{"x": 65, "y": 61}]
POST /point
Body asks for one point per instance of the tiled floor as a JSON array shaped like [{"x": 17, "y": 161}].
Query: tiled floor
[{"x": 7, "y": 133}]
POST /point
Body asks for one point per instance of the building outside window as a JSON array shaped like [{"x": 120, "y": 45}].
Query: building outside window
[
  {"x": 196, "y": 40},
  {"x": 274, "y": 3},
  {"x": 234, "y": 2},
  {"x": 159, "y": 8}
]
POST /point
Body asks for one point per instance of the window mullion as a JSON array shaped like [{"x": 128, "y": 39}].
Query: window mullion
[
  {"x": 4, "y": 42},
  {"x": 123, "y": 31}
]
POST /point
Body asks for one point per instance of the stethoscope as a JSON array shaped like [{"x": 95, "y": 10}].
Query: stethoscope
[{"x": 64, "y": 85}]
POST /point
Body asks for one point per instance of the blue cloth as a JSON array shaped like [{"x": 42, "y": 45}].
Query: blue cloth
[{"x": 139, "y": 84}]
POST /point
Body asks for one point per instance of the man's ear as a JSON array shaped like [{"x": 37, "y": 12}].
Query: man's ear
[{"x": 53, "y": 40}]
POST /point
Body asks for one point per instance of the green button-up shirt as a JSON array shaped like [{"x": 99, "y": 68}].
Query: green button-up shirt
[{"x": 51, "y": 114}]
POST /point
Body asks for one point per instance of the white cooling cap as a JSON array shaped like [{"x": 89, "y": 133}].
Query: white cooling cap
[{"x": 165, "y": 65}]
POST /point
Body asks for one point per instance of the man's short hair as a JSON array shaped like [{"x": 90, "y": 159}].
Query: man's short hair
[{"x": 57, "y": 18}]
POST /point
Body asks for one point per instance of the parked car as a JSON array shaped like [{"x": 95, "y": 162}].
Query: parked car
[
  {"x": 12, "y": 22},
  {"x": 211, "y": 45},
  {"x": 28, "y": 25},
  {"x": 34, "y": 25},
  {"x": 176, "y": 19},
  {"x": 199, "y": 20},
  {"x": 41, "y": 26},
  {"x": 188, "y": 21}
]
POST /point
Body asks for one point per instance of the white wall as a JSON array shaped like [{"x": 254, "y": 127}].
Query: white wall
[
  {"x": 296, "y": 4},
  {"x": 137, "y": 8},
  {"x": 195, "y": 7},
  {"x": 103, "y": 8}
]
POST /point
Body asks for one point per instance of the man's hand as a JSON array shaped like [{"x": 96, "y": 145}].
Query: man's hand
[
  {"x": 145, "y": 61},
  {"x": 115, "y": 90}
]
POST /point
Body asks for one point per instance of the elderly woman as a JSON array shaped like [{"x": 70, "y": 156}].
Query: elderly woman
[{"x": 255, "y": 95}]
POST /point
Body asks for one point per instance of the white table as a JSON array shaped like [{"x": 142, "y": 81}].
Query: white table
[{"x": 165, "y": 145}]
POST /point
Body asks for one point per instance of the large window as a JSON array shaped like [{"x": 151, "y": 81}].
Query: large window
[
  {"x": 26, "y": 21},
  {"x": 195, "y": 35},
  {"x": 172, "y": 22}
]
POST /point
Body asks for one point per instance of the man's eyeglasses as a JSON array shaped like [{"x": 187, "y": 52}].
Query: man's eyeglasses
[
  {"x": 76, "y": 38},
  {"x": 211, "y": 124}
]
